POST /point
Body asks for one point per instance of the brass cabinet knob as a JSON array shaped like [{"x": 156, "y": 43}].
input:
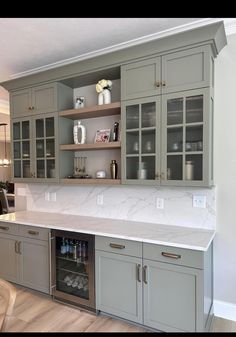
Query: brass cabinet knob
[
  {"x": 163, "y": 83},
  {"x": 157, "y": 84}
]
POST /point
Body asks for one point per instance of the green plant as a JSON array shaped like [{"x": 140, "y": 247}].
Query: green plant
[{"x": 4, "y": 184}]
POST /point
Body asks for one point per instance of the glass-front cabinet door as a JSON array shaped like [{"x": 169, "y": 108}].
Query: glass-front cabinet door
[
  {"x": 186, "y": 138},
  {"x": 141, "y": 141},
  {"x": 22, "y": 149},
  {"x": 45, "y": 146}
]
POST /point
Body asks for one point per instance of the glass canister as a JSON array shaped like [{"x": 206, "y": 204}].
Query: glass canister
[{"x": 189, "y": 170}]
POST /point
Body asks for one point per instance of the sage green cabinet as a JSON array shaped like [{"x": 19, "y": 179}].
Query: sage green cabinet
[
  {"x": 118, "y": 287},
  {"x": 24, "y": 256},
  {"x": 9, "y": 260},
  {"x": 171, "y": 72},
  {"x": 168, "y": 143},
  {"x": 171, "y": 296},
  {"x": 178, "y": 288},
  {"x": 162, "y": 287},
  {"x": 40, "y": 99},
  {"x": 35, "y": 148}
]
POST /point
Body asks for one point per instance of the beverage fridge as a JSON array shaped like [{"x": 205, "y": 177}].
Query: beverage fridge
[{"x": 72, "y": 268}]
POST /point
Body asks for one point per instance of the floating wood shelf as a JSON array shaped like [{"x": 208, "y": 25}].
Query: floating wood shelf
[
  {"x": 88, "y": 147},
  {"x": 91, "y": 181},
  {"x": 93, "y": 111}
]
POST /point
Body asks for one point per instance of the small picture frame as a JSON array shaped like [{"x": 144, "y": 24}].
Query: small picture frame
[{"x": 102, "y": 136}]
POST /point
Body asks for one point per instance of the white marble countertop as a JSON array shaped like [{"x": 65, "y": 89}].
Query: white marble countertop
[{"x": 176, "y": 236}]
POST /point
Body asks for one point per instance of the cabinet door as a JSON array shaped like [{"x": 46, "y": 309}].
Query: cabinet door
[
  {"x": 118, "y": 285},
  {"x": 172, "y": 296},
  {"x": 141, "y": 141},
  {"x": 44, "y": 98},
  {"x": 34, "y": 271},
  {"x": 8, "y": 258},
  {"x": 140, "y": 79},
  {"x": 20, "y": 103},
  {"x": 22, "y": 152},
  {"x": 185, "y": 70},
  {"x": 187, "y": 138},
  {"x": 45, "y": 147}
]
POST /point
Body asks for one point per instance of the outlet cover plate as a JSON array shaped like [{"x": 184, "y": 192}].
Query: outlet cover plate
[
  {"x": 100, "y": 199},
  {"x": 199, "y": 201},
  {"x": 160, "y": 203}
]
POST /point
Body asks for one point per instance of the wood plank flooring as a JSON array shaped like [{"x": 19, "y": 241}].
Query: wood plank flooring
[{"x": 36, "y": 312}]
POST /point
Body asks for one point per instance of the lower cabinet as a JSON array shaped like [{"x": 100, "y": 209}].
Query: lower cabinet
[
  {"x": 25, "y": 259},
  {"x": 118, "y": 289},
  {"x": 164, "y": 288}
]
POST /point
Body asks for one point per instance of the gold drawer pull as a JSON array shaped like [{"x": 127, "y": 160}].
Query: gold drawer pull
[
  {"x": 172, "y": 256},
  {"x": 115, "y": 245},
  {"x": 4, "y": 228},
  {"x": 33, "y": 232}
]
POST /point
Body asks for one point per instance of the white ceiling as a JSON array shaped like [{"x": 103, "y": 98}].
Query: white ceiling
[{"x": 31, "y": 43}]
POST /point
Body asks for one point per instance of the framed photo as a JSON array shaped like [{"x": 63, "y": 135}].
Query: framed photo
[{"x": 102, "y": 136}]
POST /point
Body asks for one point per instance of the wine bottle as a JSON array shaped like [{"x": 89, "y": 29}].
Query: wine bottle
[{"x": 115, "y": 132}]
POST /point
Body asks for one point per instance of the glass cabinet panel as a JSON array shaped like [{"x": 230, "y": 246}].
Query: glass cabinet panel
[
  {"x": 45, "y": 147},
  {"x": 21, "y": 149},
  {"x": 132, "y": 116},
  {"x": 141, "y": 140},
  {"x": 184, "y": 138}
]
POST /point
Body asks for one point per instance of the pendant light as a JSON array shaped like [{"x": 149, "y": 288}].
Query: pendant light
[{"x": 4, "y": 162}]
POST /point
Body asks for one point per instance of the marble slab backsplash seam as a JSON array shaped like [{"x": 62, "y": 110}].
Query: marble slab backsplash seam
[{"x": 133, "y": 203}]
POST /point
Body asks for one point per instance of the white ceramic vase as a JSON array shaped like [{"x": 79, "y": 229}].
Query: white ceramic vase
[
  {"x": 100, "y": 98},
  {"x": 107, "y": 96}
]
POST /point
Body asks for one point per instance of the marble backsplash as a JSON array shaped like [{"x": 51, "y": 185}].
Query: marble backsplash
[{"x": 132, "y": 203}]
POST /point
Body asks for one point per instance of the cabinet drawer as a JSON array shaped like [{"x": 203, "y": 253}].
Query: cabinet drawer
[
  {"x": 174, "y": 255},
  {"x": 8, "y": 228},
  {"x": 34, "y": 232},
  {"x": 119, "y": 246}
]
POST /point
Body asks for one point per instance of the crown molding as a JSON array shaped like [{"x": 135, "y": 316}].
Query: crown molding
[{"x": 231, "y": 24}]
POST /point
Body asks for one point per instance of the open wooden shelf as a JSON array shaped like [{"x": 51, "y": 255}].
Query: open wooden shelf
[
  {"x": 93, "y": 111},
  {"x": 91, "y": 181},
  {"x": 87, "y": 147}
]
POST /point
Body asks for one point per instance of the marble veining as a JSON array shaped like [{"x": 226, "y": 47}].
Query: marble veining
[
  {"x": 176, "y": 236},
  {"x": 132, "y": 203}
]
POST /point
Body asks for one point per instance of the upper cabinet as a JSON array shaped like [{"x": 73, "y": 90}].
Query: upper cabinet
[
  {"x": 166, "y": 89},
  {"x": 40, "y": 99},
  {"x": 184, "y": 70}
]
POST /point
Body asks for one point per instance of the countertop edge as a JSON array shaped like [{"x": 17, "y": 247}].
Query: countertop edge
[{"x": 119, "y": 236}]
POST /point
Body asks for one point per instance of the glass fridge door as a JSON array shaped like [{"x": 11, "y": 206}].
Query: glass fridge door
[{"x": 74, "y": 268}]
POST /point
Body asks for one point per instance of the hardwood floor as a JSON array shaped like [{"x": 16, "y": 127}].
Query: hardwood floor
[{"x": 36, "y": 312}]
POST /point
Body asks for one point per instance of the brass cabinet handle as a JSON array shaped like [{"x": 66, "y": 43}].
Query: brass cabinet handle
[
  {"x": 139, "y": 272},
  {"x": 115, "y": 245},
  {"x": 33, "y": 232},
  {"x": 19, "y": 247},
  {"x": 163, "y": 83},
  {"x": 170, "y": 255},
  {"x": 145, "y": 274},
  {"x": 157, "y": 84},
  {"x": 5, "y": 228},
  {"x": 16, "y": 247}
]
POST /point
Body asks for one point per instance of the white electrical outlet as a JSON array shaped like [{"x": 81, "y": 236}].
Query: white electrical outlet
[
  {"x": 199, "y": 201},
  {"x": 160, "y": 203},
  {"x": 100, "y": 199},
  {"x": 47, "y": 196}
]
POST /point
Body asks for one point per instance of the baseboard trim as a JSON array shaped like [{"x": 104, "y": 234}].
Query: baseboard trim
[{"x": 225, "y": 310}]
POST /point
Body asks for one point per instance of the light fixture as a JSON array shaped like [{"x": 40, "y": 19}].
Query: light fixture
[{"x": 4, "y": 162}]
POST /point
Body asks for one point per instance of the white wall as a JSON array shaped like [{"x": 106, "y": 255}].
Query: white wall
[{"x": 225, "y": 174}]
